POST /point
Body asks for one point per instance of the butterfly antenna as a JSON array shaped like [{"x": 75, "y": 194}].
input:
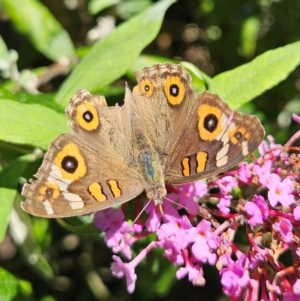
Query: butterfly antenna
[
  {"x": 141, "y": 212},
  {"x": 136, "y": 218},
  {"x": 202, "y": 212}
]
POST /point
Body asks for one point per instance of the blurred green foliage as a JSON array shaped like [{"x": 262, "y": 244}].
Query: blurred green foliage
[{"x": 242, "y": 50}]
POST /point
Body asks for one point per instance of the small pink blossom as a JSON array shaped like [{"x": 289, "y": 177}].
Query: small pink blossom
[
  {"x": 226, "y": 184},
  {"x": 172, "y": 251},
  {"x": 244, "y": 173},
  {"x": 296, "y": 117},
  {"x": 229, "y": 279},
  {"x": 263, "y": 207},
  {"x": 116, "y": 230},
  {"x": 156, "y": 215},
  {"x": 285, "y": 228},
  {"x": 110, "y": 218},
  {"x": 194, "y": 273},
  {"x": 258, "y": 210},
  {"x": 176, "y": 230},
  {"x": 296, "y": 286},
  {"x": 205, "y": 242},
  {"x": 262, "y": 172},
  {"x": 224, "y": 203},
  {"x": 253, "y": 210},
  {"x": 119, "y": 269},
  {"x": 296, "y": 213},
  {"x": 188, "y": 194},
  {"x": 280, "y": 191}
]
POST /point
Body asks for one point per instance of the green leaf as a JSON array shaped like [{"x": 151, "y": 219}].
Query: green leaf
[
  {"x": 23, "y": 234},
  {"x": 249, "y": 36},
  {"x": 46, "y": 100},
  {"x": 8, "y": 286},
  {"x": 31, "y": 124},
  {"x": 112, "y": 56},
  {"x": 246, "y": 82},
  {"x": 129, "y": 8},
  {"x": 84, "y": 229},
  {"x": 199, "y": 79},
  {"x": 96, "y": 6},
  {"x": 3, "y": 49},
  {"x": 34, "y": 20},
  {"x": 8, "y": 183}
]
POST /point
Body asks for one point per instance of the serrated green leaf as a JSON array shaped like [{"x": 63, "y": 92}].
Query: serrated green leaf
[
  {"x": 112, "y": 56},
  {"x": 8, "y": 184},
  {"x": 34, "y": 20},
  {"x": 8, "y": 285},
  {"x": 246, "y": 82},
  {"x": 31, "y": 124}
]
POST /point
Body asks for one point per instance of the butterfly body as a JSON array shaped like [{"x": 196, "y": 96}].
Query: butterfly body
[{"x": 163, "y": 134}]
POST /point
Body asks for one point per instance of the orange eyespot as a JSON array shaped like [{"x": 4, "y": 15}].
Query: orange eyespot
[
  {"x": 87, "y": 116},
  {"x": 147, "y": 87},
  {"x": 174, "y": 90},
  {"x": 209, "y": 124},
  {"x": 70, "y": 162},
  {"x": 238, "y": 134}
]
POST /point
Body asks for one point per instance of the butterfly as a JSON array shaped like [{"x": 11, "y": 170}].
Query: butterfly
[{"x": 163, "y": 134}]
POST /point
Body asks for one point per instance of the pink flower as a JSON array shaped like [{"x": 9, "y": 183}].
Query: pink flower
[
  {"x": 117, "y": 230},
  {"x": 258, "y": 210},
  {"x": 244, "y": 173},
  {"x": 188, "y": 193},
  {"x": 296, "y": 117},
  {"x": 229, "y": 279},
  {"x": 224, "y": 203},
  {"x": 119, "y": 269},
  {"x": 253, "y": 210},
  {"x": 176, "y": 230},
  {"x": 155, "y": 217},
  {"x": 296, "y": 213},
  {"x": 280, "y": 191},
  {"x": 205, "y": 242},
  {"x": 172, "y": 251},
  {"x": 226, "y": 184},
  {"x": 194, "y": 272},
  {"x": 285, "y": 228},
  {"x": 263, "y": 207},
  {"x": 296, "y": 286},
  {"x": 262, "y": 172},
  {"x": 110, "y": 218}
]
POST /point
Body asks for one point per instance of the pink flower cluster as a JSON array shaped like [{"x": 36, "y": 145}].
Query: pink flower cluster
[{"x": 270, "y": 214}]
